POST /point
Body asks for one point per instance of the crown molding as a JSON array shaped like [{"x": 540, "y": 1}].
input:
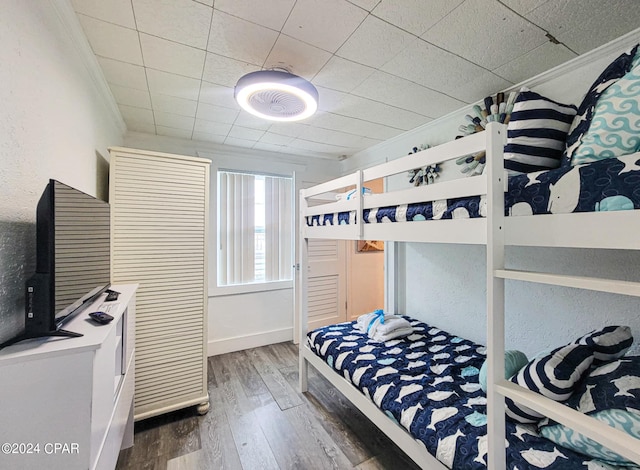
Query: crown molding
[{"x": 70, "y": 23}]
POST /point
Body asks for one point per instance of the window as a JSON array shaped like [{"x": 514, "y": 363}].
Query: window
[{"x": 255, "y": 228}]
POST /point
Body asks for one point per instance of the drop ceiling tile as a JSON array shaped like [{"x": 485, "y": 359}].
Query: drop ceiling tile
[
  {"x": 585, "y": 24},
  {"x": 401, "y": 93},
  {"x": 174, "y": 120},
  {"x": 240, "y": 39},
  {"x": 523, "y": 6},
  {"x": 374, "y": 43},
  {"x": 245, "y": 119},
  {"x": 133, "y": 115},
  {"x": 224, "y": 71},
  {"x": 171, "y": 132},
  {"x": 323, "y": 23},
  {"x": 318, "y": 147},
  {"x": 275, "y": 139},
  {"x": 432, "y": 67},
  {"x": 269, "y": 13},
  {"x": 211, "y": 128},
  {"x": 330, "y": 100},
  {"x": 355, "y": 126},
  {"x": 325, "y": 136},
  {"x": 205, "y": 2},
  {"x": 114, "y": 11},
  {"x": 134, "y": 126},
  {"x": 484, "y": 84},
  {"x": 121, "y": 73},
  {"x": 131, "y": 96},
  {"x": 171, "y": 104},
  {"x": 368, "y": 5},
  {"x": 366, "y": 142},
  {"x": 411, "y": 16},
  {"x": 214, "y": 113},
  {"x": 297, "y": 57},
  {"x": 112, "y": 41},
  {"x": 234, "y": 142},
  {"x": 373, "y": 111},
  {"x": 290, "y": 129},
  {"x": 532, "y": 63},
  {"x": 271, "y": 147},
  {"x": 173, "y": 85},
  {"x": 342, "y": 75},
  {"x": 203, "y": 136},
  {"x": 183, "y": 21},
  {"x": 218, "y": 95},
  {"x": 238, "y": 132},
  {"x": 485, "y": 33},
  {"x": 172, "y": 57}
]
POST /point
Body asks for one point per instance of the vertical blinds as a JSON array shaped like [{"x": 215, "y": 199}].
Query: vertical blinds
[
  {"x": 237, "y": 233},
  {"x": 278, "y": 230},
  {"x": 255, "y": 228}
]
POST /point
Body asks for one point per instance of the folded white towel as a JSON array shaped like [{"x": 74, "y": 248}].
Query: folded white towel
[
  {"x": 394, "y": 326},
  {"x": 398, "y": 333}
]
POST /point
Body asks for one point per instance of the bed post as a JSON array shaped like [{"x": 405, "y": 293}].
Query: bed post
[
  {"x": 496, "y": 138},
  {"x": 302, "y": 298}
]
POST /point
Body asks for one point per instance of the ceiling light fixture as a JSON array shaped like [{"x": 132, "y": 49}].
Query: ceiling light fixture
[{"x": 276, "y": 95}]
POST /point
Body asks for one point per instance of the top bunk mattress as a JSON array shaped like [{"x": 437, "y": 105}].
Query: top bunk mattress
[
  {"x": 428, "y": 383},
  {"x": 612, "y": 184}
]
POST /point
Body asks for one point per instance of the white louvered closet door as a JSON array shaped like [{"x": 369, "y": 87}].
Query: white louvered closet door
[
  {"x": 159, "y": 205},
  {"x": 326, "y": 286}
]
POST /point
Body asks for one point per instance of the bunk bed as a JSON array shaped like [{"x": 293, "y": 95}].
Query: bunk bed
[{"x": 352, "y": 363}]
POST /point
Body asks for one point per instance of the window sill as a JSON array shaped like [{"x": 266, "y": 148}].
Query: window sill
[{"x": 249, "y": 288}]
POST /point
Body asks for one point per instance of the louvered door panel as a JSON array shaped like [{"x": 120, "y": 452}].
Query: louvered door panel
[
  {"x": 159, "y": 240},
  {"x": 326, "y": 282}
]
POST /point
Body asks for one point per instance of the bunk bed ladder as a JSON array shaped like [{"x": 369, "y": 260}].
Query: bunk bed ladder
[
  {"x": 616, "y": 440},
  {"x": 498, "y": 387},
  {"x": 496, "y": 139},
  {"x": 303, "y": 316}
]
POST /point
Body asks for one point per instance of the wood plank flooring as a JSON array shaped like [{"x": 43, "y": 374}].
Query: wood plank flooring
[{"x": 258, "y": 421}]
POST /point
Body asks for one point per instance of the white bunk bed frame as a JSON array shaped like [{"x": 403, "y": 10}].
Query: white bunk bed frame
[{"x": 576, "y": 230}]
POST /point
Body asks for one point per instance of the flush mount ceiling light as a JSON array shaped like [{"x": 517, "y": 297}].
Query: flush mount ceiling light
[{"x": 276, "y": 95}]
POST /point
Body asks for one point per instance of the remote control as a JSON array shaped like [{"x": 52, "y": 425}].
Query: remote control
[
  {"x": 101, "y": 317},
  {"x": 112, "y": 295}
]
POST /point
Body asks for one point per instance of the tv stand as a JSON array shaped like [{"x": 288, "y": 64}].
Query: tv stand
[
  {"x": 24, "y": 336},
  {"x": 76, "y": 393}
]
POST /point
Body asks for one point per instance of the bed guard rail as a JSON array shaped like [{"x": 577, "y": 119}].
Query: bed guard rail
[{"x": 320, "y": 199}]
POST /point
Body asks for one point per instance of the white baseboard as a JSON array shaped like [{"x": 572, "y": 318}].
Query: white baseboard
[{"x": 238, "y": 343}]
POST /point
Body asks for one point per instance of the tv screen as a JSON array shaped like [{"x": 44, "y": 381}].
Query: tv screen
[
  {"x": 73, "y": 260},
  {"x": 81, "y": 263}
]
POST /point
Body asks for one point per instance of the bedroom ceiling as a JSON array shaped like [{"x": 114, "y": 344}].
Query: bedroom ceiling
[{"x": 381, "y": 66}]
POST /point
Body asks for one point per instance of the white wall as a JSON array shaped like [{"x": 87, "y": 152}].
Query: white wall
[
  {"x": 243, "y": 320},
  {"x": 445, "y": 284},
  {"x": 53, "y": 124}
]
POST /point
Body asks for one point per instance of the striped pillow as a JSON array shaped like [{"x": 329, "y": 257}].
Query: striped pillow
[
  {"x": 609, "y": 343},
  {"x": 536, "y": 133},
  {"x": 554, "y": 376}
]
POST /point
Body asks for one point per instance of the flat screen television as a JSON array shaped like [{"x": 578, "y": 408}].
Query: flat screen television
[{"x": 73, "y": 260}]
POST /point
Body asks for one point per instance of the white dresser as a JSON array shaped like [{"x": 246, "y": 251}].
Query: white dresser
[
  {"x": 67, "y": 403},
  {"x": 159, "y": 239}
]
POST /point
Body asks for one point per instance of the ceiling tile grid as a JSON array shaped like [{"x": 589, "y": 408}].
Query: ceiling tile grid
[{"x": 381, "y": 67}]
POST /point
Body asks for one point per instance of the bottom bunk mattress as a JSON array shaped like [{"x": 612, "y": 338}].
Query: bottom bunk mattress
[
  {"x": 428, "y": 383},
  {"x": 606, "y": 185}
]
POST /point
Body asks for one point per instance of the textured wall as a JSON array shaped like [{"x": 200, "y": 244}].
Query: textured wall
[
  {"x": 538, "y": 317},
  {"x": 52, "y": 125}
]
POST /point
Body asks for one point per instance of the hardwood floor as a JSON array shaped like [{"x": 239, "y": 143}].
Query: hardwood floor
[{"x": 258, "y": 421}]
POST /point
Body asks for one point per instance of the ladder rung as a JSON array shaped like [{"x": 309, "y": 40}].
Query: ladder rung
[
  {"x": 579, "y": 282},
  {"x": 616, "y": 440}
]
